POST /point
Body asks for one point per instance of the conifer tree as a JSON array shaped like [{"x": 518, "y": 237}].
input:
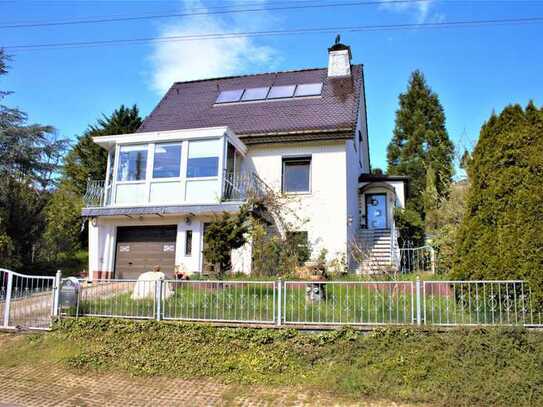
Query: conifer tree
[
  {"x": 30, "y": 155},
  {"x": 63, "y": 235},
  {"x": 501, "y": 235},
  {"x": 420, "y": 145},
  {"x": 87, "y": 159}
]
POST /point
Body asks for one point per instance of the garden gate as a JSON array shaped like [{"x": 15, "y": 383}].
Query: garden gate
[{"x": 27, "y": 301}]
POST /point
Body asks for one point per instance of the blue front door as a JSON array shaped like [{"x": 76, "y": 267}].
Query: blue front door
[{"x": 376, "y": 211}]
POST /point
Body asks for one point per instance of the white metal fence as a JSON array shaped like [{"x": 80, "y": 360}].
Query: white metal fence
[
  {"x": 417, "y": 259},
  {"x": 479, "y": 303},
  {"x": 348, "y": 302},
  {"x": 27, "y": 301},
  {"x": 33, "y": 301}
]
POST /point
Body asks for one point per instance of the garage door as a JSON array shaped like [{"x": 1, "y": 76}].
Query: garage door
[{"x": 139, "y": 248}]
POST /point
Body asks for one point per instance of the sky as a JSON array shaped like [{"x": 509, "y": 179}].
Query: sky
[{"x": 474, "y": 70}]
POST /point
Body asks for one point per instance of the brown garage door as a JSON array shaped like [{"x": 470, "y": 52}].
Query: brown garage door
[{"x": 139, "y": 248}]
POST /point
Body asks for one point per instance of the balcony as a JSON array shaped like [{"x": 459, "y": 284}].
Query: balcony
[{"x": 236, "y": 187}]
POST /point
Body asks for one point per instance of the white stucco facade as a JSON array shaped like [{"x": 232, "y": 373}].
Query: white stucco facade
[{"x": 328, "y": 209}]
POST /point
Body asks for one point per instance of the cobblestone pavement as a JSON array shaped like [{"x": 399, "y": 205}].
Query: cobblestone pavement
[{"x": 28, "y": 386}]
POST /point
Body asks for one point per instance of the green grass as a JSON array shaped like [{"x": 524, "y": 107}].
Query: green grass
[
  {"x": 494, "y": 367},
  {"x": 370, "y": 303},
  {"x": 343, "y": 303}
]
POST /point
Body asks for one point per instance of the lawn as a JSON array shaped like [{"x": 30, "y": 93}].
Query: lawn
[
  {"x": 341, "y": 302},
  {"x": 345, "y": 302},
  {"x": 463, "y": 367}
]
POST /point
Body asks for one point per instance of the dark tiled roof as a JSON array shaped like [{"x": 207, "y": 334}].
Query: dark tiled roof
[{"x": 192, "y": 105}]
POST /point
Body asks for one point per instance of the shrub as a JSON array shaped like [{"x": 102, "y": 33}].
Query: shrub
[
  {"x": 410, "y": 226},
  {"x": 501, "y": 236}
]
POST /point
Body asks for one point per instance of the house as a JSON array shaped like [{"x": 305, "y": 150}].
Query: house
[{"x": 210, "y": 143}]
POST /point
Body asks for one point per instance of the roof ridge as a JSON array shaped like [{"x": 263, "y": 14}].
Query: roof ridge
[{"x": 255, "y": 74}]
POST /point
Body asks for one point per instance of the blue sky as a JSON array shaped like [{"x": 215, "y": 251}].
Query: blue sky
[{"x": 474, "y": 70}]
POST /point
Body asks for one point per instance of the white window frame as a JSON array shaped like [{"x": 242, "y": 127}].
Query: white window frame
[
  {"x": 182, "y": 179},
  {"x": 286, "y": 158}
]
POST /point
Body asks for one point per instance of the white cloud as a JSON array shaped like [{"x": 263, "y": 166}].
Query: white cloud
[
  {"x": 189, "y": 60},
  {"x": 420, "y": 8}
]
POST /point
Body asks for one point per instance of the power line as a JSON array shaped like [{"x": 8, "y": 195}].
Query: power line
[
  {"x": 205, "y": 11},
  {"x": 298, "y": 31},
  {"x": 228, "y": 10}
]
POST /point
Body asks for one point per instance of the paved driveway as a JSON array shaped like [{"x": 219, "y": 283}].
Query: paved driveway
[{"x": 29, "y": 386}]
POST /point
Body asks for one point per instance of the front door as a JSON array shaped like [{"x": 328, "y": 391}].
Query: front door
[{"x": 376, "y": 211}]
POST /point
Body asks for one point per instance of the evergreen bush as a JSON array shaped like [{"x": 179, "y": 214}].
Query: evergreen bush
[{"x": 501, "y": 236}]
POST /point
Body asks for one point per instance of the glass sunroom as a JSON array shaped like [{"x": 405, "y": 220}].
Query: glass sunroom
[{"x": 197, "y": 166}]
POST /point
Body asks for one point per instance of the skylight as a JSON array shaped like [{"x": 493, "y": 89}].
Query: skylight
[
  {"x": 255, "y": 93},
  {"x": 267, "y": 93},
  {"x": 308, "y": 89},
  {"x": 227, "y": 96},
  {"x": 281, "y": 92}
]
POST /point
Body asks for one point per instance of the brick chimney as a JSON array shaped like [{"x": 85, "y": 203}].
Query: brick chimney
[{"x": 339, "y": 60}]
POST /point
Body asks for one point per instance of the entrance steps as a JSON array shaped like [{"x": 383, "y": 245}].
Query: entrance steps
[{"x": 376, "y": 249}]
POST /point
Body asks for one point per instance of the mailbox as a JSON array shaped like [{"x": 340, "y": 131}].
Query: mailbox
[{"x": 69, "y": 292}]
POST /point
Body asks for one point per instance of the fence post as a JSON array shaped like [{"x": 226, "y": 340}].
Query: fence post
[
  {"x": 7, "y": 302},
  {"x": 56, "y": 293},
  {"x": 418, "y": 300},
  {"x": 433, "y": 259},
  {"x": 158, "y": 299},
  {"x": 279, "y": 301}
]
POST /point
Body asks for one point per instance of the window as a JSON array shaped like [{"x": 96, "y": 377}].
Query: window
[
  {"x": 132, "y": 163},
  {"x": 228, "y": 96},
  {"x": 281, "y": 92},
  {"x": 255, "y": 94},
  {"x": 167, "y": 161},
  {"x": 203, "y": 159},
  {"x": 188, "y": 243},
  {"x": 230, "y": 159},
  {"x": 309, "y": 89},
  {"x": 296, "y": 174}
]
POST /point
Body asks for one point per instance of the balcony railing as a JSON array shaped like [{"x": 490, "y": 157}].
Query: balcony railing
[
  {"x": 237, "y": 187},
  {"x": 242, "y": 186},
  {"x": 97, "y": 194}
]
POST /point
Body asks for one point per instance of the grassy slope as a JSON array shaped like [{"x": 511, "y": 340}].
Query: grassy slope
[{"x": 462, "y": 367}]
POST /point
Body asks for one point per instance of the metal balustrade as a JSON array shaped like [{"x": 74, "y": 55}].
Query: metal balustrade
[
  {"x": 242, "y": 186},
  {"x": 236, "y": 187},
  {"x": 97, "y": 194}
]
